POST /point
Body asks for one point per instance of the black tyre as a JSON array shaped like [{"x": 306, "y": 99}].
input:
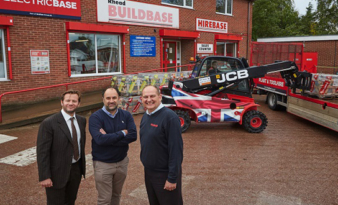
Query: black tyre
[
  {"x": 272, "y": 99},
  {"x": 184, "y": 119},
  {"x": 254, "y": 121}
]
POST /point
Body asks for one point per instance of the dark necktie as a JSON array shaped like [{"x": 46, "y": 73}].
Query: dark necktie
[{"x": 76, "y": 145}]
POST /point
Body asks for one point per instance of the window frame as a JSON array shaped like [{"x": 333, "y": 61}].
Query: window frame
[
  {"x": 226, "y": 8},
  {"x": 96, "y": 55},
  {"x": 2, "y": 34},
  {"x": 184, "y": 4}
]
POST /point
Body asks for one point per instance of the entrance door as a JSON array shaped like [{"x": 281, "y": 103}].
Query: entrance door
[
  {"x": 231, "y": 49},
  {"x": 169, "y": 54}
]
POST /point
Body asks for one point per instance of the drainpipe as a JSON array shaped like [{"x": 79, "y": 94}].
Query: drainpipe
[
  {"x": 248, "y": 31},
  {"x": 335, "y": 53}
]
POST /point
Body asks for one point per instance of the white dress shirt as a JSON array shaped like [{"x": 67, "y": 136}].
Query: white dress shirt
[{"x": 78, "y": 132}]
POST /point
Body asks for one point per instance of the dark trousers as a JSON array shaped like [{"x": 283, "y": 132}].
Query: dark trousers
[
  {"x": 157, "y": 195},
  {"x": 66, "y": 195}
]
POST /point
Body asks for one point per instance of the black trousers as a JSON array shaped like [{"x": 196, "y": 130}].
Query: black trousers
[
  {"x": 66, "y": 195},
  {"x": 157, "y": 195}
]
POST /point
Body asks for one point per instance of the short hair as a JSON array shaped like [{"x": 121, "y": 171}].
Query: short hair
[
  {"x": 71, "y": 92},
  {"x": 154, "y": 86},
  {"x": 117, "y": 90}
]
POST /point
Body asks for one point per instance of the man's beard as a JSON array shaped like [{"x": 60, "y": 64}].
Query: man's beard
[{"x": 111, "y": 109}]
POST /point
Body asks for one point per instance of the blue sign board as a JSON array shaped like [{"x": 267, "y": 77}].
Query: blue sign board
[{"x": 142, "y": 46}]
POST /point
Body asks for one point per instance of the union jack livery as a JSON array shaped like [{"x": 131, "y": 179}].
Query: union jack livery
[
  {"x": 220, "y": 90},
  {"x": 207, "y": 108}
]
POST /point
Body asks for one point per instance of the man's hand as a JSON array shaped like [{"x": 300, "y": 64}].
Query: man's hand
[
  {"x": 169, "y": 186},
  {"x": 102, "y": 131},
  {"x": 46, "y": 183}
]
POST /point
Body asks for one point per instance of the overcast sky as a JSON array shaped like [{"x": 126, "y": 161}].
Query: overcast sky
[{"x": 302, "y": 4}]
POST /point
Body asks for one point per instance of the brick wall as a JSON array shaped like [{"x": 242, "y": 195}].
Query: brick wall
[
  {"x": 327, "y": 55},
  {"x": 41, "y": 33}
]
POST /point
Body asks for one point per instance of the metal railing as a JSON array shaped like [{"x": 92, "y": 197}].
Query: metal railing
[{"x": 189, "y": 67}]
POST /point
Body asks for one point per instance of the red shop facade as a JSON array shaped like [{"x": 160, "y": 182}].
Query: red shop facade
[{"x": 45, "y": 43}]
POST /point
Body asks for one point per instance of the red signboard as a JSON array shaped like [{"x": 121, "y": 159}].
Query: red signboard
[{"x": 68, "y": 9}]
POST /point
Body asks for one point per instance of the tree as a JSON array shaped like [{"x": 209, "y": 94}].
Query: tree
[
  {"x": 275, "y": 18},
  {"x": 308, "y": 22},
  {"x": 327, "y": 17}
]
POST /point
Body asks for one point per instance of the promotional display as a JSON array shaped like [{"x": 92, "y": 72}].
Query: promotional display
[
  {"x": 133, "y": 84},
  {"x": 40, "y": 61},
  {"x": 211, "y": 26},
  {"x": 68, "y": 9},
  {"x": 136, "y": 13}
]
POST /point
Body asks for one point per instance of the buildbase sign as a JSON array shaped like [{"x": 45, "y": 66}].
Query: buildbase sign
[
  {"x": 136, "y": 13},
  {"x": 69, "y": 9},
  {"x": 211, "y": 26}
]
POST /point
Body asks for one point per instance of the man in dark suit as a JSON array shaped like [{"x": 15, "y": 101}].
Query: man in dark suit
[{"x": 61, "y": 151}]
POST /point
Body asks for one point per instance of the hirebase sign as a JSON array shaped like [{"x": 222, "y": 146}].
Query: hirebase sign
[
  {"x": 211, "y": 26},
  {"x": 67, "y": 9},
  {"x": 205, "y": 48},
  {"x": 136, "y": 13}
]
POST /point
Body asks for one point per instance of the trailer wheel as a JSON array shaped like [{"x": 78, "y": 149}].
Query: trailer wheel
[
  {"x": 272, "y": 99},
  {"x": 184, "y": 119},
  {"x": 254, "y": 121}
]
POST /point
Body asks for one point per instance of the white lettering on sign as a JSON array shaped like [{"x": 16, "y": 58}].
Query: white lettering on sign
[
  {"x": 271, "y": 82},
  {"x": 131, "y": 12},
  {"x": 211, "y": 25},
  {"x": 232, "y": 76},
  {"x": 276, "y": 83},
  {"x": 50, "y": 3},
  {"x": 309, "y": 59},
  {"x": 262, "y": 80}
]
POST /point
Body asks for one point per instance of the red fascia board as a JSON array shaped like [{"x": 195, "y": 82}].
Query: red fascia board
[
  {"x": 6, "y": 21},
  {"x": 76, "y": 26},
  {"x": 232, "y": 37},
  {"x": 179, "y": 34}
]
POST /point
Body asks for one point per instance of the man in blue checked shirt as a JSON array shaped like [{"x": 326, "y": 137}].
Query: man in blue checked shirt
[{"x": 112, "y": 130}]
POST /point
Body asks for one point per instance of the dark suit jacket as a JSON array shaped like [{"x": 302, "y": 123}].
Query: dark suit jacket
[{"x": 55, "y": 149}]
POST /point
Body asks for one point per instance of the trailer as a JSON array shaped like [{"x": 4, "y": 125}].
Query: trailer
[{"x": 319, "y": 104}]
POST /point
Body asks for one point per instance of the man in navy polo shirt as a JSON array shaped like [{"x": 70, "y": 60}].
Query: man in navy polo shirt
[
  {"x": 112, "y": 130},
  {"x": 161, "y": 150}
]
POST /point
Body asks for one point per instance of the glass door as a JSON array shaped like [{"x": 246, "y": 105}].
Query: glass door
[{"x": 169, "y": 54}]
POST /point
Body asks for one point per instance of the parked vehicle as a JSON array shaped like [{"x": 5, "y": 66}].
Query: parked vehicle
[
  {"x": 319, "y": 104},
  {"x": 220, "y": 90}
]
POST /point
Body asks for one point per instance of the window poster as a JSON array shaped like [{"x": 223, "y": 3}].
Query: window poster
[{"x": 40, "y": 61}]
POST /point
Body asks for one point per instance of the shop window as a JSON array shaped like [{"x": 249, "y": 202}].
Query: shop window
[
  {"x": 3, "y": 72},
  {"x": 94, "y": 54},
  {"x": 224, "y": 6},
  {"x": 183, "y": 3}
]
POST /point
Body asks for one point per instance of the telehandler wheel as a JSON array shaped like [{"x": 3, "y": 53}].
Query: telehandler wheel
[
  {"x": 254, "y": 121},
  {"x": 184, "y": 119}
]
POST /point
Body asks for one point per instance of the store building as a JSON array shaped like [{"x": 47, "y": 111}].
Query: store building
[
  {"x": 49, "y": 42},
  {"x": 324, "y": 45}
]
